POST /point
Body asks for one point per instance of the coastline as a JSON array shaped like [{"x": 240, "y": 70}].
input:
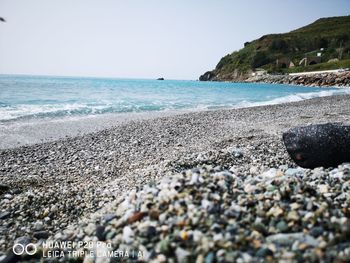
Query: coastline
[
  {"x": 119, "y": 143},
  {"x": 14, "y": 134},
  {"x": 307, "y": 79},
  {"x": 24, "y": 132},
  {"x": 59, "y": 183}
]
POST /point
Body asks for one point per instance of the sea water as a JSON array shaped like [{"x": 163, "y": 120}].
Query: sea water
[{"x": 38, "y": 97}]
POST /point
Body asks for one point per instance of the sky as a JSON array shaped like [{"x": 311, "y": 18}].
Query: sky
[{"x": 178, "y": 39}]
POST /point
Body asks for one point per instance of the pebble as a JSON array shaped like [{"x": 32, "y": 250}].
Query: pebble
[
  {"x": 109, "y": 217},
  {"x": 264, "y": 252},
  {"x": 282, "y": 226},
  {"x": 290, "y": 238},
  {"x": 100, "y": 233},
  {"x": 262, "y": 207},
  {"x": 294, "y": 171},
  {"x": 8, "y": 196},
  {"x": 38, "y": 226},
  {"x": 182, "y": 255},
  {"x": 210, "y": 258},
  {"x": 317, "y": 231},
  {"x": 128, "y": 235},
  {"x": 41, "y": 234},
  {"x": 90, "y": 229},
  {"x": 4, "y": 215},
  {"x": 177, "y": 202},
  {"x": 323, "y": 188},
  {"x": 223, "y": 217},
  {"x": 136, "y": 217}
]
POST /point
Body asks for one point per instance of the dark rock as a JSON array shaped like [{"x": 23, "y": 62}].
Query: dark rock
[
  {"x": 41, "y": 234},
  {"x": 345, "y": 228},
  {"x": 264, "y": 252},
  {"x": 215, "y": 209},
  {"x": 16, "y": 191},
  {"x": 260, "y": 228},
  {"x": 4, "y": 188},
  {"x": 151, "y": 232},
  {"x": 207, "y": 76},
  {"x": 316, "y": 231},
  {"x": 4, "y": 215},
  {"x": 11, "y": 258},
  {"x": 160, "y": 78},
  {"x": 100, "y": 233},
  {"x": 232, "y": 229},
  {"x": 326, "y": 145}
]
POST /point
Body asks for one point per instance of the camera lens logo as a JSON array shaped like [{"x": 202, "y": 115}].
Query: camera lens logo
[{"x": 29, "y": 249}]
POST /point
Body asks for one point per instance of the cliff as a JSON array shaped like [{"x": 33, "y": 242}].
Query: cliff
[{"x": 324, "y": 44}]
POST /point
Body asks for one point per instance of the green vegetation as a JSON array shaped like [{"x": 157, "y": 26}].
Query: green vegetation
[{"x": 328, "y": 36}]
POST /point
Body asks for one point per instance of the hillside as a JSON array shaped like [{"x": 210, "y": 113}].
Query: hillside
[{"x": 327, "y": 40}]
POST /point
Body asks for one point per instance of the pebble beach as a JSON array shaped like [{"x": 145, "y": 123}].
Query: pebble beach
[{"x": 210, "y": 186}]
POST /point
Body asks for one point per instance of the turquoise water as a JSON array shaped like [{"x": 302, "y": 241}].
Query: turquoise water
[{"x": 26, "y": 97}]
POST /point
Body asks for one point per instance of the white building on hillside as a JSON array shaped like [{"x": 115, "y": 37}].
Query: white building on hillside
[{"x": 259, "y": 72}]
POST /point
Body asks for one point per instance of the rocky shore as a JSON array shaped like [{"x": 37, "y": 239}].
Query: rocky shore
[
  {"x": 341, "y": 79},
  {"x": 214, "y": 186}
]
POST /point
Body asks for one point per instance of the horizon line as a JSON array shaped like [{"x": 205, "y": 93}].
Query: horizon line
[{"x": 92, "y": 77}]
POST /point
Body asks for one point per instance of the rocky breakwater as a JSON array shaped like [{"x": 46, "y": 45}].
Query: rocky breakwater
[{"x": 341, "y": 79}]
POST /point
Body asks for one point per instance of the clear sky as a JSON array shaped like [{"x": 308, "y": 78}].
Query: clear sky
[{"x": 178, "y": 39}]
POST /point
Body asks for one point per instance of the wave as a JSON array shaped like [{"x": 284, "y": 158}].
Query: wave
[
  {"x": 294, "y": 98},
  {"x": 29, "y": 111},
  {"x": 20, "y": 112}
]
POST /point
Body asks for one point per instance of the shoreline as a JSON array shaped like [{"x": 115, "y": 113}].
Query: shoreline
[
  {"x": 53, "y": 185},
  {"x": 14, "y": 133}
]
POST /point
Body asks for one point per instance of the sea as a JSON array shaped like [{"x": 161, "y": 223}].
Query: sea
[{"x": 24, "y": 98}]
